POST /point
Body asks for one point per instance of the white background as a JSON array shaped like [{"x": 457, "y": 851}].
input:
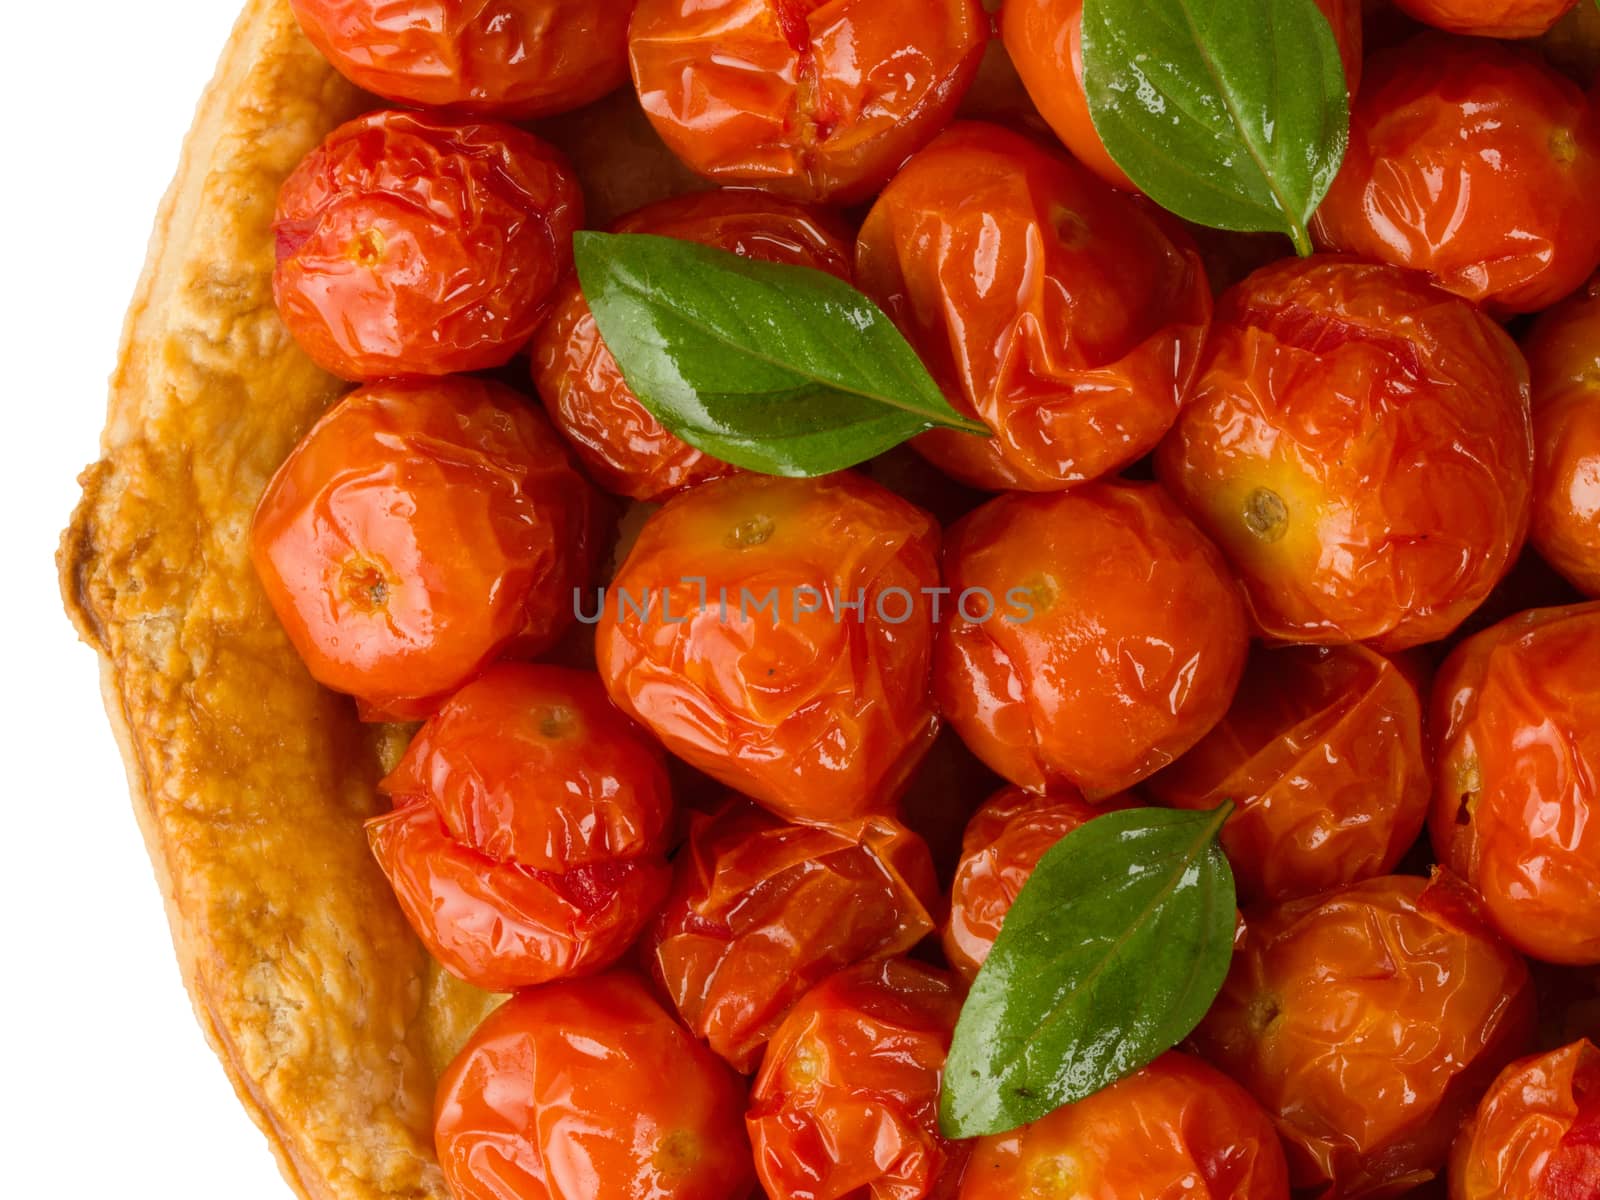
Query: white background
[{"x": 109, "y": 1089}]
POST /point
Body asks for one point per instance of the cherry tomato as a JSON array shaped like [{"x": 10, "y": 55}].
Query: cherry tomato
[
  {"x": 1091, "y": 637},
  {"x": 512, "y": 58},
  {"x": 1045, "y": 41},
  {"x": 1516, "y": 715},
  {"x": 847, "y": 1101},
  {"x": 1489, "y": 18},
  {"x": 408, "y": 245},
  {"x": 416, "y": 533},
  {"x": 623, "y": 448},
  {"x": 1004, "y": 842},
  {"x": 1368, "y": 1020},
  {"x": 761, "y": 911},
  {"x": 1322, "y": 756},
  {"x": 812, "y": 99},
  {"x": 1360, "y": 446},
  {"x": 1474, "y": 162},
  {"x": 588, "y": 1090},
  {"x": 1536, "y": 1135},
  {"x": 776, "y": 634},
  {"x": 1065, "y": 316},
  {"x": 1177, "y": 1128}
]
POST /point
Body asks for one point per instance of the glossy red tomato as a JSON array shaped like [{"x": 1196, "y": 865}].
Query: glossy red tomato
[
  {"x": 409, "y": 245},
  {"x": 1065, "y": 316},
  {"x": 419, "y": 531},
  {"x": 1091, "y": 636},
  {"x": 1176, "y": 1129},
  {"x": 1476, "y": 163},
  {"x": 1368, "y": 1020},
  {"x": 776, "y": 634},
  {"x": 761, "y": 911},
  {"x": 513, "y": 58},
  {"x": 847, "y": 1101},
  {"x": 1360, "y": 446},
  {"x": 1489, "y": 18},
  {"x": 1323, "y": 758},
  {"x": 588, "y": 1090},
  {"x": 812, "y": 99},
  {"x": 1516, "y": 718},
  {"x": 623, "y": 448}
]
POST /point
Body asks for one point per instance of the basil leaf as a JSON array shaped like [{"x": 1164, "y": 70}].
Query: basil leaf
[
  {"x": 774, "y": 368},
  {"x": 1230, "y": 113},
  {"x": 1114, "y": 950}
]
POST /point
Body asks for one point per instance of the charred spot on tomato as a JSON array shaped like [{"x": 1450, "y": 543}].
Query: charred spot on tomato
[{"x": 1266, "y": 515}]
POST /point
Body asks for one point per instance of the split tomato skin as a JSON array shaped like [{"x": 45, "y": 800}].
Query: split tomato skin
[
  {"x": 1067, "y": 317},
  {"x": 1489, "y": 18},
  {"x": 621, "y": 445},
  {"x": 1360, "y": 446},
  {"x": 590, "y": 1089},
  {"x": 1177, "y": 1127},
  {"x": 1516, "y": 717},
  {"x": 1476, "y": 163},
  {"x": 847, "y": 1100},
  {"x": 815, "y": 100},
  {"x": 1112, "y": 640},
  {"x": 412, "y": 245},
  {"x": 1322, "y": 755},
  {"x": 420, "y": 530},
  {"x": 516, "y": 59}
]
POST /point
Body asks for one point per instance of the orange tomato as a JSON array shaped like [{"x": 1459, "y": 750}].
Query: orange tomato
[{"x": 1489, "y": 18}]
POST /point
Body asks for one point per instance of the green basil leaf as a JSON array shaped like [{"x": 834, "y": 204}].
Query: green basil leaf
[
  {"x": 1230, "y": 113},
  {"x": 774, "y": 368},
  {"x": 1114, "y": 950}
]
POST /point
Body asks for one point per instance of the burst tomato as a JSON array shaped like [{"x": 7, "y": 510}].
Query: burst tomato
[
  {"x": 1065, "y": 316},
  {"x": 1489, "y": 18},
  {"x": 408, "y": 245}
]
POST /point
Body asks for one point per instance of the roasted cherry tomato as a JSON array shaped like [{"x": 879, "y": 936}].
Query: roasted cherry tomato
[
  {"x": 1045, "y": 41},
  {"x": 1564, "y": 356},
  {"x": 1368, "y": 1020},
  {"x": 512, "y": 58},
  {"x": 1360, "y": 446},
  {"x": 813, "y": 99},
  {"x": 761, "y": 911},
  {"x": 1476, "y": 163},
  {"x": 1516, "y": 715},
  {"x": 408, "y": 245},
  {"x": 1489, "y": 18},
  {"x": 1175, "y": 1129},
  {"x": 1067, "y": 317},
  {"x": 1004, "y": 842},
  {"x": 623, "y": 448},
  {"x": 1090, "y": 636},
  {"x": 1322, "y": 756},
  {"x": 847, "y": 1101},
  {"x": 420, "y": 530},
  {"x": 588, "y": 1090},
  {"x": 776, "y": 634}
]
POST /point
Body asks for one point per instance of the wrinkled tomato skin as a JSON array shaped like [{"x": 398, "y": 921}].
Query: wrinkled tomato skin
[
  {"x": 621, "y": 445},
  {"x": 816, "y": 100},
  {"x": 1115, "y": 640},
  {"x": 1067, "y": 317},
  {"x": 420, "y": 530},
  {"x": 1003, "y": 844},
  {"x": 1516, "y": 715},
  {"x": 819, "y": 715},
  {"x": 1045, "y": 41},
  {"x": 847, "y": 1101},
  {"x": 1360, "y": 446},
  {"x": 1489, "y": 18},
  {"x": 1322, "y": 756},
  {"x": 589, "y": 1089},
  {"x": 761, "y": 911},
  {"x": 410, "y": 245},
  {"x": 1476, "y": 163},
  {"x": 1368, "y": 1021},
  {"x": 1536, "y": 1134},
  {"x": 1177, "y": 1128},
  {"x": 509, "y": 58}
]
